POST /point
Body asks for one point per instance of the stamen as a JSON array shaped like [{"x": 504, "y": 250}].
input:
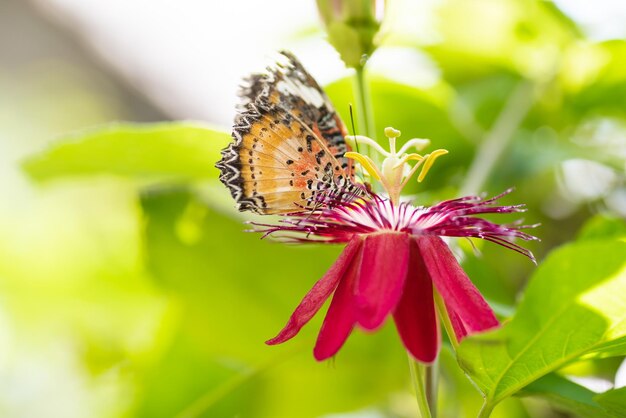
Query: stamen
[
  {"x": 411, "y": 172},
  {"x": 408, "y": 157},
  {"x": 430, "y": 160},
  {"x": 393, "y": 171},
  {"x": 366, "y": 162}
]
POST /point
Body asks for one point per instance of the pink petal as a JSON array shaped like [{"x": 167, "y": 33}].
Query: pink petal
[
  {"x": 415, "y": 315},
  {"x": 316, "y": 297},
  {"x": 341, "y": 316},
  {"x": 465, "y": 304},
  {"x": 382, "y": 276}
]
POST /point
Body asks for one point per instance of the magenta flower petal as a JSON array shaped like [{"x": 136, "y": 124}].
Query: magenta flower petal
[
  {"x": 381, "y": 277},
  {"x": 462, "y": 298},
  {"x": 341, "y": 316},
  {"x": 393, "y": 259},
  {"x": 316, "y": 297},
  {"x": 415, "y": 315}
]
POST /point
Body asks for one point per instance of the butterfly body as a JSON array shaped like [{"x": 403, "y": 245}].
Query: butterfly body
[{"x": 288, "y": 147}]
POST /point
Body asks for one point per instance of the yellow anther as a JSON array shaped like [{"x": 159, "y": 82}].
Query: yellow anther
[
  {"x": 430, "y": 160},
  {"x": 366, "y": 162},
  {"x": 408, "y": 157},
  {"x": 391, "y": 132}
]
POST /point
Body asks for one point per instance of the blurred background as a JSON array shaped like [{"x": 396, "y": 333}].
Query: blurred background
[{"x": 122, "y": 296}]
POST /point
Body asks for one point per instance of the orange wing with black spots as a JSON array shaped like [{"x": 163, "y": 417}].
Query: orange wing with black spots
[{"x": 288, "y": 144}]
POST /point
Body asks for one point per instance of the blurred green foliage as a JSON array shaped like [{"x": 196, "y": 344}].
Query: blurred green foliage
[{"x": 128, "y": 267}]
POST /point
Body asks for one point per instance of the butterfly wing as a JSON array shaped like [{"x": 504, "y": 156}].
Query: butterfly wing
[{"x": 288, "y": 143}]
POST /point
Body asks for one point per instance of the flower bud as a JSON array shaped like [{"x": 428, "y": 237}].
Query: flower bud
[{"x": 351, "y": 26}]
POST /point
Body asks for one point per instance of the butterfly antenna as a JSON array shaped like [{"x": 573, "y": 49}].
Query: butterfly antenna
[
  {"x": 356, "y": 143},
  {"x": 311, "y": 213},
  {"x": 353, "y": 129}
]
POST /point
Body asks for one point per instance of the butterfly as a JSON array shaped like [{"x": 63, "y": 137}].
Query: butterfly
[{"x": 287, "y": 152}]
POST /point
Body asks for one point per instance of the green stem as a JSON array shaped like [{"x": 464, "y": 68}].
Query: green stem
[
  {"x": 364, "y": 115},
  {"x": 445, "y": 319},
  {"x": 492, "y": 148},
  {"x": 485, "y": 411},
  {"x": 418, "y": 372},
  {"x": 432, "y": 385}
]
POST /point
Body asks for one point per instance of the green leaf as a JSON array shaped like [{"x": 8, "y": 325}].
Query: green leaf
[
  {"x": 567, "y": 395},
  {"x": 458, "y": 397},
  {"x": 573, "y": 306},
  {"x": 161, "y": 151},
  {"x": 614, "y": 401}
]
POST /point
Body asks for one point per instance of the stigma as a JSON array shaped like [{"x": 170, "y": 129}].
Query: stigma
[{"x": 398, "y": 166}]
